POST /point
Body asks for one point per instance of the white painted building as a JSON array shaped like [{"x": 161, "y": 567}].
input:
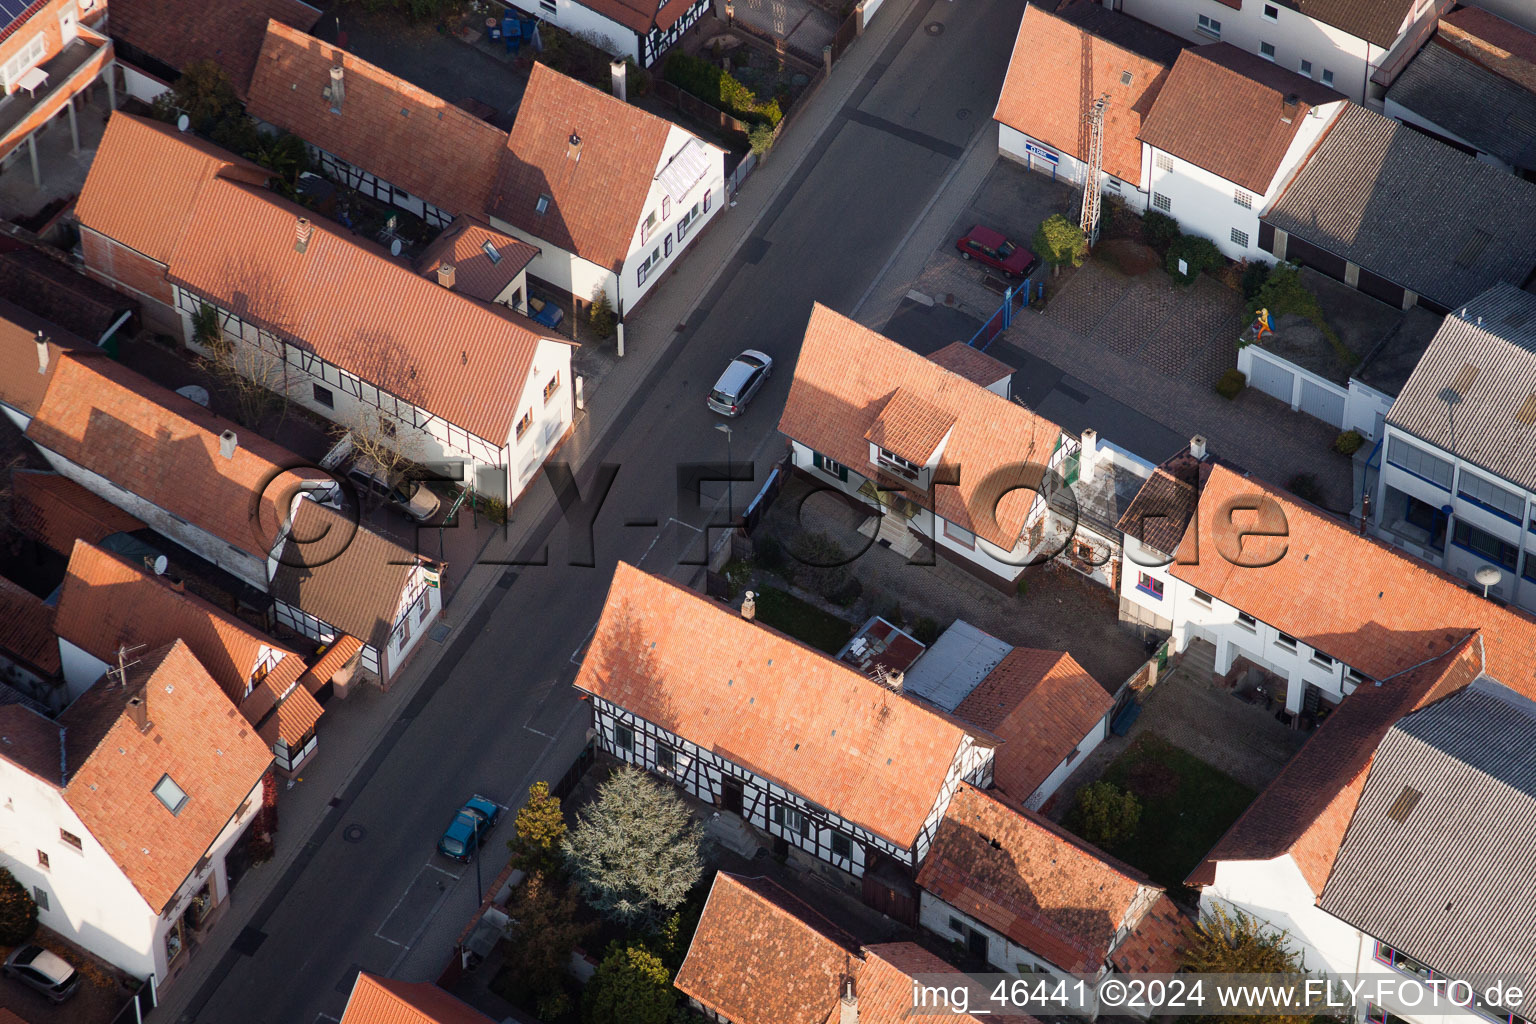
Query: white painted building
[{"x": 636, "y": 29}]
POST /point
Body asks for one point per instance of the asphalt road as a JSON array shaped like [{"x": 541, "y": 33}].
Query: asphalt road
[{"x": 498, "y": 712}]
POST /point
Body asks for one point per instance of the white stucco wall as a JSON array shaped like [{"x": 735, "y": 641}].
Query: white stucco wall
[
  {"x": 142, "y": 85},
  {"x": 1002, "y": 954},
  {"x": 81, "y": 668},
  {"x": 668, "y": 213},
  {"x": 1016, "y": 145},
  {"x": 1052, "y": 783},
  {"x": 577, "y": 19}
]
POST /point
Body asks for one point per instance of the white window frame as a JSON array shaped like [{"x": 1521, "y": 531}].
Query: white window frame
[
  {"x": 1267, "y": 50},
  {"x": 1164, "y": 162},
  {"x": 1208, "y": 26},
  {"x": 1306, "y": 68},
  {"x": 1328, "y": 78},
  {"x": 1271, "y": 13},
  {"x": 26, "y": 58},
  {"x": 1243, "y": 198}
]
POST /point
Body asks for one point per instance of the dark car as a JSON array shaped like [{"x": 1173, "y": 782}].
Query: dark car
[
  {"x": 416, "y": 501},
  {"x": 740, "y": 382},
  {"x": 469, "y": 828},
  {"x": 994, "y": 250},
  {"x": 47, "y": 972}
]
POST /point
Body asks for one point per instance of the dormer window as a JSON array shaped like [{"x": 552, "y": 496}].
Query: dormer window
[
  {"x": 896, "y": 464},
  {"x": 170, "y": 794}
]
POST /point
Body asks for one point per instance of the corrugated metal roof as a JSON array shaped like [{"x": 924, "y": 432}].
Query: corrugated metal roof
[
  {"x": 1471, "y": 102},
  {"x": 1449, "y": 884},
  {"x": 955, "y": 665},
  {"x": 1487, "y": 357},
  {"x": 1399, "y": 204}
]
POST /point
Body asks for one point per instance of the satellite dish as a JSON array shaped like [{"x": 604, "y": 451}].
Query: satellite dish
[
  {"x": 183, "y": 123},
  {"x": 394, "y": 247},
  {"x": 161, "y": 562},
  {"x": 1488, "y": 576}
]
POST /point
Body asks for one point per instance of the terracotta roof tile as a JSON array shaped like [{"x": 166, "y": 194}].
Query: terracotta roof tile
[
  {"x": 376, "y": 1000},
  {"x": 1161, "y": 510},
  {"x": 31, "y": 742},
  {"x": 763, "y": 956},
  {"x": 403, "y": 134},
  {"x": 145, "y": 179},
  {"x": 1043, "y": 94},
  {"x": 350, "y": 577},
  {"x": 359, "y": 310},
  {"x": 972, "y": 364},
  {"x": 291, "y": 719},
  {"x": 335, "y": 658},
  {"x": 1040, "y": 704},
  {"x": 1376, "y": 21},
  {"x": 26, "y": 628},
  {"x": 229, "y": 34},
  {"x": 885, "y": 988},
  {"x": 1046, "y": 890},
  {"x": 910, "y": 427},
  {"x": 56, "y": 511},
  {"x": 598, "y": 200},
  {"x": 462, "y": 245},
  {"x": 22, "y": 380},
  {"x": 846, "y": 375},
  {"x": 195, "y": 736},
  {"x": 165, "y": 449},
  {"x": 1224, "y": 110},
  {"x": 766, "y": 702}
]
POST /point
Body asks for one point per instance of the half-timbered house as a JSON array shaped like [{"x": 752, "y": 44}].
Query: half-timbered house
[{"x": 806, "y": 749}]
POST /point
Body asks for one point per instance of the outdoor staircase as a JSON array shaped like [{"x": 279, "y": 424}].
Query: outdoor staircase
[
  {"x": 1199, "y": 659},
  {"x": 892, "y": 529}
]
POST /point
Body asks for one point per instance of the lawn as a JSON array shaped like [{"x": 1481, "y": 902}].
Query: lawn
[
  {"x": 801, "y": 620},
  {"x": 1186, "y": 805}
]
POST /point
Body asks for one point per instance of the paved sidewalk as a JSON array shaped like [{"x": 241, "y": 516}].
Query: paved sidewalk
[{"x": 360, "y": 724}]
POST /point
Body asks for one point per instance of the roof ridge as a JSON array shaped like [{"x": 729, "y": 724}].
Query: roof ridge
[
  {"x": 834, "y": 932},
  {"x": 1083, "y": 846}
]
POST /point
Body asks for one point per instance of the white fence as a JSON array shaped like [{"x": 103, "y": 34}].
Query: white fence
[{"x": 1358, "y": 407}]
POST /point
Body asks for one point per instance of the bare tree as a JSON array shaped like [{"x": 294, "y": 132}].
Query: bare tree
[
  {"x": 256, "y": 377},
  {"x": 382, "y": 442}
]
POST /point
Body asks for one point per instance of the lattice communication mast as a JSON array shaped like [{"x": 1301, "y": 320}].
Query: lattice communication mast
[{"x": 1091, "y": 186}]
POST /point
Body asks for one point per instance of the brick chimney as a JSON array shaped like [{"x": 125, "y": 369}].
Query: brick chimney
[
  {"x": 1289, "y": 107},
  {"x": 749, "y": 606},
  {"x": 138, "y": 711},
  {"x": 303, "y": 230},
  {"x": 336, "y": 91},
  {"x": 228, "y": 442},
  {"x": 1088, "y": 455},
  {"x": 42, "y": 352},
  {"x": 620, "y": 71},
  {"x": 445, "y": 274},
  {"x": 574, "y": 152}
]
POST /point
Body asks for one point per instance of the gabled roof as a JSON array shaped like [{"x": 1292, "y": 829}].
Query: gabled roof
[
  {"x": 761, "y": 955},
  {"x": 1470, "y": 102},
  {"x": 26, "y": 627},
  {"x": 145, "y": 179},
  {"x": 350, "y": 576},
  {"x": 640, "y": 15},
  {"x": 1226, "y": 111},
  {"x": 972, "y": 363},
  {"x": 770, "y": 704},
  {"x": 886, "y": 981},
  {"x": 1373, "y": 193},
  {"x": 1043, "y": 93},
  {"x": 387, "y": 126},
  {"x": 1161, "y": 510},
  {"x": 1451, "y": 800},
  {"x": 476, "y": 272},
  {"x": 1486, "y": 354},
  {"x": 357, "y": 309},
  {"x": 1044, "y": 889},
  {"x": 194, "y": 735},
  {"x": 846, "y": 375},
  {"x": 910, "y": 426},
  {"x": 376, "y": 1000},
  {"x": 56, "y": 511},
  {"x": 23, "y": 380},
  {"x": 1305, "y": 810},
  {"x": 1041, "y": 704},
  {"x": 597, "y": 200},
  {"x": 1375, "y": 21},
  {"x": 228, "y": 33},
  {"x": 164, "y": 448}
]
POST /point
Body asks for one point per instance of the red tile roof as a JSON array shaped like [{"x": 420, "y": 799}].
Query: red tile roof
[
  {"x": 332, "y": 661},
  {"x": 770, "y": 704},
  {"x": 1352, "y": 597},
  {"x": 972, "y": 364},
  {"x": 1046, "y": 890},
  {"x": 1500, "y": 39},
  {"x": 23, "y": 381},
  {"x": 26, "y": 628},
  {"x": 640, "y": 15},
  {"x": 145, "y": 179},
  {"x": 598, "y": 200},
  {"x": 56, "y": 511},
  {"x": 195, "y": 736},
  {"x": 357, "y": 309},
  {"x": 291, "y": 720},
  {"x": 763, "y": 956},
  {"x": 462, "y": 245},
  {"x": 376, "y": 1000},
  {"x": 229, "y": 34},
  {"x": 1224, "y": 110},
  {"x": 1040, "y": 704},
  {"x": 1306, "y": 809},
  {"x": 1043, "y": 93},
  {"x": 405, "y": 135},
  {"x": 910, "y": 427},
  {"x": 164, "y": 448},
  {"x": 846, "y": 376},
  {"x": 885, "y": 988}
]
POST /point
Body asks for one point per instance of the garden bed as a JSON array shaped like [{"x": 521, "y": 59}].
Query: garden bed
[{"x": 802, "y": 620}]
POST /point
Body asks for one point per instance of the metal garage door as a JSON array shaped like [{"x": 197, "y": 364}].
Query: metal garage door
[
  {"x": 1272, "y": 379},
  {"x": 1321, "y": 402}
]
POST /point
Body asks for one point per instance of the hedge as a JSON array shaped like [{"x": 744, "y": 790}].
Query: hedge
[{"x": 715, "y": 86}]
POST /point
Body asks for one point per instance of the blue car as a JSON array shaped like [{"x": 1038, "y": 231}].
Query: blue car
[{"x": 470, "y": 827}]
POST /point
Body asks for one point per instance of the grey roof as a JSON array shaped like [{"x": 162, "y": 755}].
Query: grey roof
[
  {"x": 1474, "y": 392},
  {"x": 1124, "y": 31},
  {"x": 1448, "y": 876},
  {"x": 958, "y": 660},
  {"x": 1470, "y": 102},
  {"x": 1411, "y": 209}
]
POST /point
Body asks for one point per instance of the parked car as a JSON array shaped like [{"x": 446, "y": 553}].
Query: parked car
[
  {"x": 469, "y": 828},
  {"x": 991, "y": 248},
  {"x": 740, "y": 382},
  {"x": 416, "y": 501},
  {"x": 47, "y": 972}
]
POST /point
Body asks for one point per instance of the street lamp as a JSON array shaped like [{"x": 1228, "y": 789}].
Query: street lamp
[{"x": 730, "y": 505}]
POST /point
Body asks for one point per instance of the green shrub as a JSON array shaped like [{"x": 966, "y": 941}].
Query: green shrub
[
  {"x": 1159, "y": 230},
  {"x": 493, "y": 509},
  {"x": 1197, "y": 254},
  {"x": 760, "y": 139},
  {"x": 1059, "y": 241},
  {"x": 1231, "y": 384},
  {"x": 1255, "y": 275},
  {"x": 714, "y": 85},
  {"x": 1348, "y": 442},
  {"x": 600, "y": 315},
  {"x": 926, "y": 631},
  {"x": 631, "y": 986},
  {"x": 1284, "y": 292},
  {"x": 1104, "y": 814},
  {"x": 18, "y": 911}
]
